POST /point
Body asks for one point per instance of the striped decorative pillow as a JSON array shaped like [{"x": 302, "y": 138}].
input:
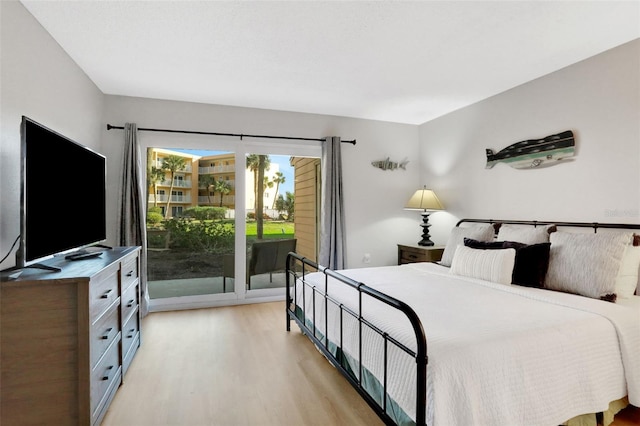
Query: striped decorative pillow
[{"x": 489, "y": 265}]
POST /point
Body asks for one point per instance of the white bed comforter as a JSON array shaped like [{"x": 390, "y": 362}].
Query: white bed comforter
[{"x": 498, "y": 355}]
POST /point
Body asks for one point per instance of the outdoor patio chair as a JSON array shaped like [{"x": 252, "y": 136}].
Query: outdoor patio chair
[{"x": 265, "y": 256}]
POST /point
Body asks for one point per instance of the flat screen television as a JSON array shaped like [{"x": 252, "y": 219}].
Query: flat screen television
[{"x": 63, "y": 195}]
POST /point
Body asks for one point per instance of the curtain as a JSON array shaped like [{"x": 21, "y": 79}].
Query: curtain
[
  {"x": 133, "y": 230},
  {"x": 332, "y": 236}
]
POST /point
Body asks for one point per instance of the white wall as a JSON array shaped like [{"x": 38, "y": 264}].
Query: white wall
[
  {"x": 375, "y": 218},
  {"x": 599, "y": 99},
  {"x": 40, "y": 81}
]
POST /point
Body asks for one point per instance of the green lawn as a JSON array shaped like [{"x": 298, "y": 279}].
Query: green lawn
[{"x": 272, "y": 229}]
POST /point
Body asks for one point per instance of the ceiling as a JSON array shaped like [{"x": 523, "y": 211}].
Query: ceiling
[{"x": 398, "y": 61}]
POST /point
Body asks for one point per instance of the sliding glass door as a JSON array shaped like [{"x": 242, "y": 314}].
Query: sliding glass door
[
  {"x": 190, "y": 221},
  {"x": 220, "y": 222},
  {"x": 270, "y": 226}
]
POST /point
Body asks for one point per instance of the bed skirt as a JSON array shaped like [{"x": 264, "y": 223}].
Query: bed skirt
[{"x": 607, "y": 416}]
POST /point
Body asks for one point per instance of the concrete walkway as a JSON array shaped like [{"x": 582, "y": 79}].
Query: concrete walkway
[{"x": 212, "y": 285}]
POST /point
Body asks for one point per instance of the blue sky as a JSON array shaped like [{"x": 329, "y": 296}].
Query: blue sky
[{"x": 281, "y": 160}]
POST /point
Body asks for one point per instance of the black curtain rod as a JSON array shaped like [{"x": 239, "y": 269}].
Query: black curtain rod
[{"x": 239, "y": 135}]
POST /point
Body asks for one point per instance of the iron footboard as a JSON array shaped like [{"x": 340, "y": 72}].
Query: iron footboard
[{"x": 298, "y": 268}]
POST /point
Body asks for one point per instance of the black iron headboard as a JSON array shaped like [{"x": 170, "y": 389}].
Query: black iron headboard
[{"x": 595, "y": 225}]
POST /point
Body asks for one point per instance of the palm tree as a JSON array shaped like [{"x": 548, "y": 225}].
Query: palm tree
[
  {"x": 286, "y": 205},
  {"x": 207, "y": 182},
  {"x": 172, "y": 164},
  {"x": 278, "y": 179},
  {"x": 223, "y": 187},
  {"x": 258, "y": 164},
  {"x": 267, "y": 183}
]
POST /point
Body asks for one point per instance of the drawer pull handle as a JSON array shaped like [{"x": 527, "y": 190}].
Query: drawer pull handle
[
  {"x": 130, "y": 274},
  {"x": 130, "y": 303},
  {"x": 106, "y": 373},
  {"x": 106, "y": 294},
  {"x": 131, "y": 333},
  {"x": 108, "y": 331}
]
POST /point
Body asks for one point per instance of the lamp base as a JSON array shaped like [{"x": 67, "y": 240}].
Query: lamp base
[{"x": 426, "y": 238}]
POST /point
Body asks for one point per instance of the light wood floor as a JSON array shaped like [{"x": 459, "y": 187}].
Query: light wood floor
[
  {"x": 238, "y": 366},
  {"x": 232, "y": 366}
]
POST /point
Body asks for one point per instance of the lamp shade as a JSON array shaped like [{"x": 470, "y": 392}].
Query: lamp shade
[{"x": 424, "y": 199}]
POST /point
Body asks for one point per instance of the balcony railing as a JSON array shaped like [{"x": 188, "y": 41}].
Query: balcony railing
[
  {"x": 174, "y": 199},
  {"x": 231, "y": 183},
  {"x": 227, "y": 200},
  {"x": 187, "y": 167},
  {"x": 176, "y": 183},
  {"x": 216, "y": 169}
]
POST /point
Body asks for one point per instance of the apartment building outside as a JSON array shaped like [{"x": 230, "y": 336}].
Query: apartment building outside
[
  {"x": 189, "y": 190},
  {"x": 193, "y": 185}
]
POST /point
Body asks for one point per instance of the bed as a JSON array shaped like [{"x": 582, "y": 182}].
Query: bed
[{"x": 491, "y": 335}]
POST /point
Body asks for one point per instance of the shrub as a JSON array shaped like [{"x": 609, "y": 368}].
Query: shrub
[
  {"x": 205, "y": 213},
  {"x": 154, "y": 218},
  {"x": 212, "y": 237},
  {"x": 252, "y": 216},
  {"x": 157, "y": 238}
]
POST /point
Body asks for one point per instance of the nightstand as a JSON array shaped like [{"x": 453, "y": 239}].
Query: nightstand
[{"x": 415, "y": 253}]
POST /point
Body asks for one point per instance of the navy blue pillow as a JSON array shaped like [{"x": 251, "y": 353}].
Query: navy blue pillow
[{"x": 531, "y": 264}]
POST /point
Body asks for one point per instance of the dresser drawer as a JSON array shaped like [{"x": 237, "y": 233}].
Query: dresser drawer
[
  {"x": 129, "y": 302},
  {"x": 103, "y": 333},
  {"x": 410, "y": 254},
  {"x": 130, "y": 272},
  {"x": 126, "y": 362},
  {"x": 130, "y": 332},
  {"x": 132, "y": 343},
  {"x": 106, "y": 374},
  {"x": 103, "y": 291}
]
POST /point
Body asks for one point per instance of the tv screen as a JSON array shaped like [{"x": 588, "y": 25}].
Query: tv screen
[{"x": 63, "y": 195}]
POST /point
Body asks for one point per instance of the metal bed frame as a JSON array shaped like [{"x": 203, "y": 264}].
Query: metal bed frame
[
  {"x": 298, "y": 267},
  {"x": 534, "y": 223}
]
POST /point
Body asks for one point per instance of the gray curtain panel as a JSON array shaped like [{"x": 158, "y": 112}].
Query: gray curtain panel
[
  {"x": 133, "y": 231},
  {"x": 332, "y": 239}
]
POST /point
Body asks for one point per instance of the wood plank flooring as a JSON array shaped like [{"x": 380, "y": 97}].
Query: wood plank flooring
[
  {"x": 232, "y": 366},
  {"x": 238, "y": 366}
]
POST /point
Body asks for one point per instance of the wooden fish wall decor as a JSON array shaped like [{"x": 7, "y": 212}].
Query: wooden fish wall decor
[
  {"x": 535, "y": 153},
  {"x": 390, "y": 165}
]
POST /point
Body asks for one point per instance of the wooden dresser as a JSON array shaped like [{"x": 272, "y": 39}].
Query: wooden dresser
[{"x": 67, "y": 338}]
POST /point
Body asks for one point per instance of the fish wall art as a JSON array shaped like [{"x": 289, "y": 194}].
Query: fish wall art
[
  {"x": 535, "y": 153},
  {"x": 390, "y": 165}
]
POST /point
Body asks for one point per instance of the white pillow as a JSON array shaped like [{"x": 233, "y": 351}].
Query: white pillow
[
  {"x": 525, "y": 234},
  {"x": 586, "y": 264},
  {"x": 458, "y": 234},
  {"x": 489, "y": 265},
  {"x": 627, "y": 279}
]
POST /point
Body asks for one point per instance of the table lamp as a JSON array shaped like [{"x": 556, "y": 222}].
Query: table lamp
[{"x": 426, "y": 200}]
